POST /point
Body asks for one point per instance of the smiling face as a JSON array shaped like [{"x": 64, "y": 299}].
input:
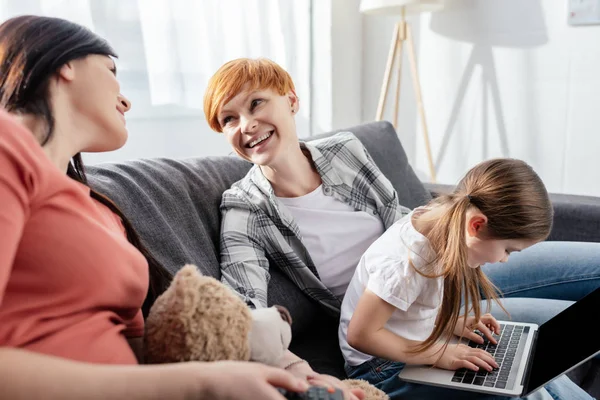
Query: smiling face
[
  {"x": 259, "y": 125},
  {"x": 95, "y": 97}
]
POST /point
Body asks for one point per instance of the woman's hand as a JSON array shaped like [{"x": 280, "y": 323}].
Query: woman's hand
[
  {"x": 304, "y": 371},
  {"x": 301, "y": 370},
  {"x": 458, "y": 356},
  {"x": 486, "y": 325},
  {"x": 230, "y": 380},
  {"x": 332, "y": 381}
]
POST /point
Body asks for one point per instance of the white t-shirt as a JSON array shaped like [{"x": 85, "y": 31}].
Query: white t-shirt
[
  {"x": 385, "y": 269},
  {"x": 335, "y": 235}
]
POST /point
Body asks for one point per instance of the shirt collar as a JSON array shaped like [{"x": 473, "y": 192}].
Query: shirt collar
[{"x": 329, "y": 175}]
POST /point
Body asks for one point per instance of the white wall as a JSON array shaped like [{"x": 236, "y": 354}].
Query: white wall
[
  {"x": 336, "y": 65},
  {"x": 377, "y": 36},
  {"x": 507, "y": 78},
  {"x": 346, "y": 51}
]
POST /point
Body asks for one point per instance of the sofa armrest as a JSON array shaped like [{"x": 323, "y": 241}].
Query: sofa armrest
[{"x": 576, "y": 218}]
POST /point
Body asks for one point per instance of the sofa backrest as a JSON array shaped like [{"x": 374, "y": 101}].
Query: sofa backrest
[{"x": 174, "y": 204}]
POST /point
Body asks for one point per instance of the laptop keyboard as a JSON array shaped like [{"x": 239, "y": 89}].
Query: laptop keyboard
[{"x": 504, "y": 353}]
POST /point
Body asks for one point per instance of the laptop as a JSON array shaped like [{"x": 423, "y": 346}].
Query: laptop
[{"x": 529, "y": 356}]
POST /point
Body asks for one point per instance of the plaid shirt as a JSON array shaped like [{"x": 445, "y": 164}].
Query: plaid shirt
[{"x": 258, "y": 232}]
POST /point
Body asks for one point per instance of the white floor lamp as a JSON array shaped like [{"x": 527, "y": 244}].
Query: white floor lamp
[{"x": 402, "y": 33}]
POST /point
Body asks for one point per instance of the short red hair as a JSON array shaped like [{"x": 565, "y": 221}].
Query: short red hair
[{"x": 228, "y": 81}]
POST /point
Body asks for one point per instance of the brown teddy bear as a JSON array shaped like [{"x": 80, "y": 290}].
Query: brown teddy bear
[{"x": 199, "y": 319}]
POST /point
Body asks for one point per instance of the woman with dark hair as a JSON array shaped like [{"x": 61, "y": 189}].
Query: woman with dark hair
[
  {"x": 73, "y": 273},
  {"x": 30, "y": 59}
]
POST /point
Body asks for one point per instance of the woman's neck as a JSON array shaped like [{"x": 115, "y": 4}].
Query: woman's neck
[
  {"x": 56, "y": 148},
  {"x": 295, "y": 176}
]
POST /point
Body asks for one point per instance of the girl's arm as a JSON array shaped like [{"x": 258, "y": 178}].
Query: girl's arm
[
  {"x": 28, "y": 375},
  {"x": 367, "y": 333}
]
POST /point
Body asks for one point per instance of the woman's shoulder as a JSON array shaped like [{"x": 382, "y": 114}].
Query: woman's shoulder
[
  {"x": 249, "y": 192},
  {"x": 20, "y": 149},
  {"x": 340, "y": 145},
  {"x": 337, "y": 140},
  {"x": 14, "y": 134}
]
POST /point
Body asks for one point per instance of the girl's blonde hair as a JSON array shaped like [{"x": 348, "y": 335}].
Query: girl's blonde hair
[
  {"x": 230, "y": 79},
  {"x": 517, "y": 206}
]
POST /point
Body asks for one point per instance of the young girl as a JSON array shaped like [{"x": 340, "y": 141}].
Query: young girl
[{"x": 403, "y": 304}]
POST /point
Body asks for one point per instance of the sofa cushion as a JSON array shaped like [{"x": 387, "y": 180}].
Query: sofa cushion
[{"x": 173, "y": 204}]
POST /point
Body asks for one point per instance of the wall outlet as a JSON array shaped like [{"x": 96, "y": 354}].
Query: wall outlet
[{"x": 584, "y": 12}]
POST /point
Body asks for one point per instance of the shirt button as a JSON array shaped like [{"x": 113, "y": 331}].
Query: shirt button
[
  {"x": 374, "y": 212},
  {"x": 327, "y": 189},
  {"x": 251, "y": 294}
]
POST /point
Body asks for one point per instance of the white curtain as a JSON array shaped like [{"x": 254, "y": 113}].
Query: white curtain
[
  {"x": 168, "y": 49},
  {"x": 185, "y": 41},
  {"x": 74, "y": 10}
]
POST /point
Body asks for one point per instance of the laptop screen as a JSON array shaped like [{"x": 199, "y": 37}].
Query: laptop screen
[{"x": 565, "y": 341}]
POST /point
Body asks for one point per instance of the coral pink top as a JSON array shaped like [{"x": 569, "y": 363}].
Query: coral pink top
[{"x": 71, "y": 285}]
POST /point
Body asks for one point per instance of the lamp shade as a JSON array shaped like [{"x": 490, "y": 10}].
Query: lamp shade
[
  {"x": 391, "y": 7},
  {"x": 488, "y": 23}
]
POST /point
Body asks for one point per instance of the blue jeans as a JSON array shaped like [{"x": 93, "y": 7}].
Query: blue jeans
[
  {"x": 546, "y": 278},
  {"x": 384, "y": 375},
  {"x": 549, "y": 270},
  {"x": 560, "y": 272}
]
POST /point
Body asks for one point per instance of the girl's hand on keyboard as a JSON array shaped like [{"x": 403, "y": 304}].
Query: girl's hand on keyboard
[
  {"x": 488, "y": 325},
  {"x": 458, "y": 356}
]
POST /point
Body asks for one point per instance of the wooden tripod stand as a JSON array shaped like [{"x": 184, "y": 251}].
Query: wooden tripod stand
[{"x": 403, "y": 33}]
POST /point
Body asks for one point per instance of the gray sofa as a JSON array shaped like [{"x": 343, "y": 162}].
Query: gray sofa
[{"x": 174, "y": 204}]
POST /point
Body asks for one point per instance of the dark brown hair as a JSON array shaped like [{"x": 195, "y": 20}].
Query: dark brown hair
[
  {"x": 32, "y": 50},
  {"x": 517, "y": 206}
]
